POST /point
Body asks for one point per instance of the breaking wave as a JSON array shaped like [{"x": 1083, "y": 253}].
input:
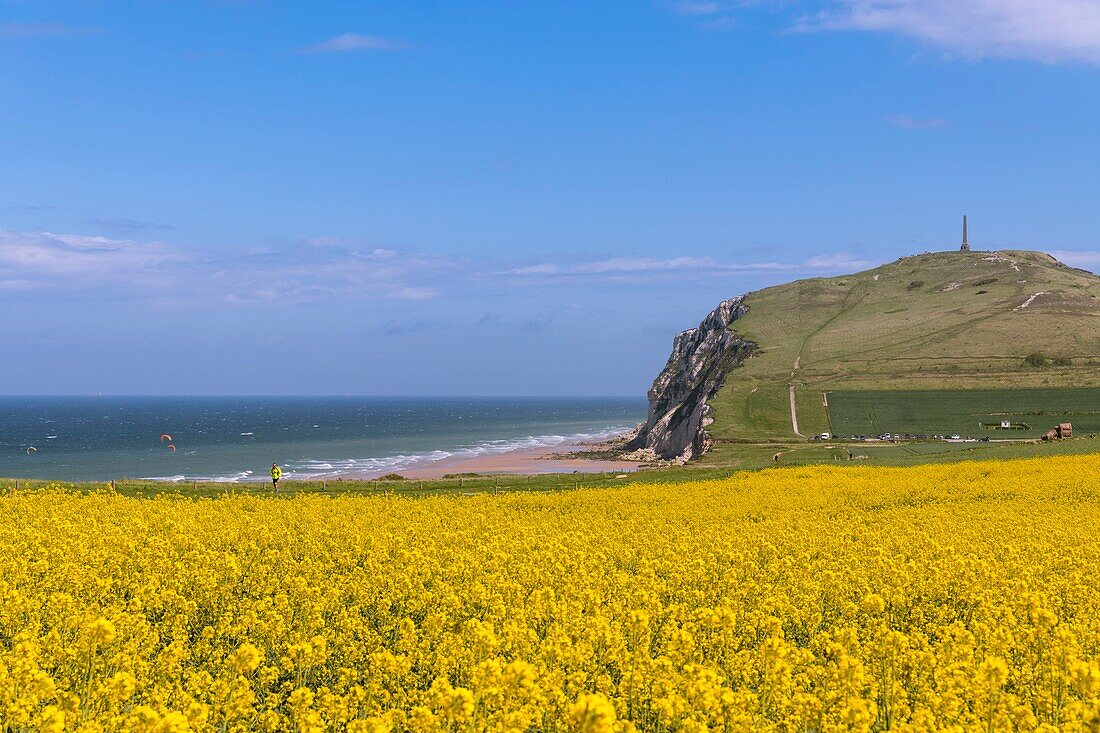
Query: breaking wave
[{"x": 329, "y": 467}]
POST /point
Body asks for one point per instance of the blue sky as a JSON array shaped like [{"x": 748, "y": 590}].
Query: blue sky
[{"x": 500, "y": 197}]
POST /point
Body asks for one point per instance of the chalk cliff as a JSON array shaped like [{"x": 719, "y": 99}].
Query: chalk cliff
[{"x": 675, "y": 428}]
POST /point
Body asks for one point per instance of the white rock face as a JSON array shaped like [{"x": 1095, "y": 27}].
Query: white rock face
[{"x": 696, "y": 370}]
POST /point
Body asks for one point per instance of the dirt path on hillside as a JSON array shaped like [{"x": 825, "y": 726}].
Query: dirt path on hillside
[
  {"x": 845, "y": 306},
  {"x": 794, "y": 415}
]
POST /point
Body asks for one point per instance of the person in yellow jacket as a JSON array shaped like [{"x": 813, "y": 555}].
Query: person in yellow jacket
[{"x": 276, "y": 474}]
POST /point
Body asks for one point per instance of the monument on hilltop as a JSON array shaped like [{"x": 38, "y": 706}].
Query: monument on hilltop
[{"x": 966, "y": 244}]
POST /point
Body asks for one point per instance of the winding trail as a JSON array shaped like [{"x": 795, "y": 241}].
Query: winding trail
[{"x": 1029, "y": 301}]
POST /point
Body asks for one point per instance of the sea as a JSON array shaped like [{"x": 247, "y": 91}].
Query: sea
[{"x": 236, "y": 439}]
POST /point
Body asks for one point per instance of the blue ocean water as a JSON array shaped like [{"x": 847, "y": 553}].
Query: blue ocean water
[{"x": 238, "y": 438}]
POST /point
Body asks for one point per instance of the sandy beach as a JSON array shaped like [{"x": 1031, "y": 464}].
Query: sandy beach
[{"x": 540, "y": 460}]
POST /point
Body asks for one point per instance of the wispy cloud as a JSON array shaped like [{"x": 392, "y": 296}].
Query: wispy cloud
[
  {"x": 834, "y": 262},
  {"x": 1049, "y": 31},
  {"x": 46, "y": 260},
  {"x": 123, "y": 227},
  {"x": 40, "y": 30},
  {"x": 326, "y": 268},
  {"x": 1086, "y": 260},
  {"x": 643, "y": 264},
  {"x": 654, "y": 268},
  {"x": 356, "y": 42},
  {"x": 909, "y": 122},
  {"x": 174, "y": 274},
  {"x": 543, "y": 268},
  {"x": 709, "y": 15}
]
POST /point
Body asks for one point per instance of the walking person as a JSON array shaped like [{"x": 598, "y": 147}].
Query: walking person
[{"x": 276, "y": 474}]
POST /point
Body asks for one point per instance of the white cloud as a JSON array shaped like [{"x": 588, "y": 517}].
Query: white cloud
[
  {"x": 836, "y": 261},
  {"x": 356, "y": 42},
  {"x": 416, "y": 293},
  {"x": 653, "y": 268},
  {"x": 45, "y": 259},
  {"x": 1087, "y": 260},
  {"x": 339, "y": 243},
  {"x": 544, "y": 268},
  {"x": 643, "y": 264},
  {"x": 320, "y": 269},
  {"x": 1049, "y": 31},
  {"x": 709, "y": 15},
  {"x": 177, "y": 274}
]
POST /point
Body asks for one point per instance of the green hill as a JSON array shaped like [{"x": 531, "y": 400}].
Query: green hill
[{"x": 941, "y": 321}]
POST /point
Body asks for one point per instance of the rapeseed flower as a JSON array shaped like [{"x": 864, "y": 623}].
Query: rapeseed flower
[{"x": 957, "y": 597}]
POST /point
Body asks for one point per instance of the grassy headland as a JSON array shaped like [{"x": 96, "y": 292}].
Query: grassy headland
[{"x": 948, "y": 320}]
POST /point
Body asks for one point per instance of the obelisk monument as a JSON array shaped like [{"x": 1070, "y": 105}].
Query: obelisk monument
[{"x": 966, "y": 244}]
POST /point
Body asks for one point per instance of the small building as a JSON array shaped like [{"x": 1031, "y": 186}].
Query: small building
[
  {"x": 1006, "y": 424},
  {"x": 1061, "y": 431}
]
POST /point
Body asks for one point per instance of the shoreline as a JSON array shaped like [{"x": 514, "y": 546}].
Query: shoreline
[
  {"x": 522, "y": 462},
  {"x": 565, "y": 457},
  {"x": 558, "y": 458}
]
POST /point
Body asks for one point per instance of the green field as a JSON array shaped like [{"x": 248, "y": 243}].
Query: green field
[
  {"x": 457, "y": 485},
  {"x": 723, "y": 461},
  {"x": 964, "y": 412},
  {"x": 948, "y": 320}
]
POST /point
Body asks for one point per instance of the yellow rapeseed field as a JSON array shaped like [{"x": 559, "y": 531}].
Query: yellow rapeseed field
[{"x": 962, "y": 597}]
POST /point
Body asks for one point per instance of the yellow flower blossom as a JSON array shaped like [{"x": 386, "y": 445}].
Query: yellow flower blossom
[
  {"x": 957, "y": 597},
  {"x": 593, "y": 713}
]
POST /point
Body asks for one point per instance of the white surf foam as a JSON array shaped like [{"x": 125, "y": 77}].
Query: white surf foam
[
  {"x": 323, "y": 468},
  {"x": 227, "y": 479},
  {"x": 376, "y": 466}
]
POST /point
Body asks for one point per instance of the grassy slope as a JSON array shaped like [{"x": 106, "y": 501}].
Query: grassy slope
[{"x": 921, "y": 322}]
